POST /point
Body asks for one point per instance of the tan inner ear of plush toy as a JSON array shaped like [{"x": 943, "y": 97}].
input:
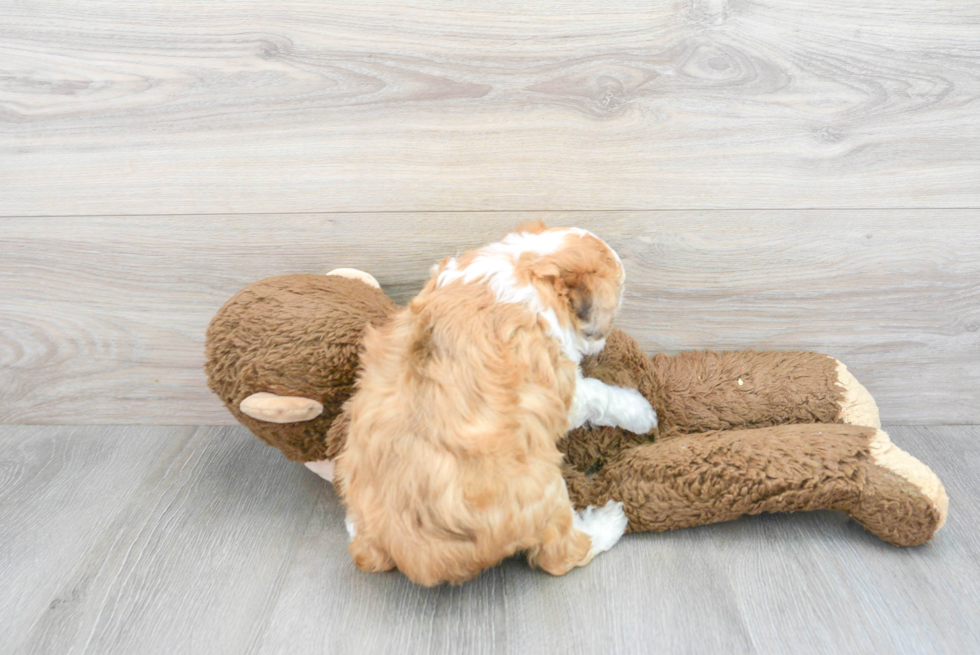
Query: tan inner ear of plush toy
[
  {"x": 355, "y": 274},
  {"x": 280, "y": 409},
  {"x": 889, "y": 456}
]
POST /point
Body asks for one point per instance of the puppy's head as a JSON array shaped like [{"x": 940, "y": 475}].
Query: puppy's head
[{"x": 583, "y": 279}]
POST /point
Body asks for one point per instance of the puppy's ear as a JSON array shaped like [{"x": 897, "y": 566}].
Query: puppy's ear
[
  {"x": 580, "y": 300},
  {"x": 573, "y": 287},
  {"x": 546, "y": 270},
  {"x": 532, "y": 227}
]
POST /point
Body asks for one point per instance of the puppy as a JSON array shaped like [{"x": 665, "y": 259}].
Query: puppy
[{"x": 451, "y": 462}]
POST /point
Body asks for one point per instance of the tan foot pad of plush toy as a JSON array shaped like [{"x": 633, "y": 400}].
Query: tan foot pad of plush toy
[{"x": 740, "y": 432}]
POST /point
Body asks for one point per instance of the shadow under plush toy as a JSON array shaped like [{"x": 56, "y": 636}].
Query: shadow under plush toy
[{"x": 739, "y": 432}]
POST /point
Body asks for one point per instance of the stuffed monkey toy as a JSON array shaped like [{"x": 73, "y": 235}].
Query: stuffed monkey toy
[{"x": 739, "y": 432}]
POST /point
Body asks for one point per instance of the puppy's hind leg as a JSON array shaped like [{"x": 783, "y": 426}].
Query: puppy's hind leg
[
  {"x": 580, "y": 538},
  {"x": 368, "y": 554}
]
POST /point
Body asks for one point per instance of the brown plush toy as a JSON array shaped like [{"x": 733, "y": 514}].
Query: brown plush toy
[{"x": 740, "y": 432}]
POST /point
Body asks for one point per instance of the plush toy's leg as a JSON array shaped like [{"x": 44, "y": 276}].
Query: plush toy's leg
[
  {"x": 920, "y": 507},
  {"x": 719, "y": 476},
  {"x": 723, "y": 391},
  {"x": 697, "y": 391}
]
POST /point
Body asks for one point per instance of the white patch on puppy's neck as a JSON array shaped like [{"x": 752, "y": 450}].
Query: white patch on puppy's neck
[
  {"x": 495, "y": 265},
  {"x": 572, "y": 344}
]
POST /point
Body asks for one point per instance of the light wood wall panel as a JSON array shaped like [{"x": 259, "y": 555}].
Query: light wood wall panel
[
  {"x": 191, "y": 106},
  {"x": 102, "y": 319}
]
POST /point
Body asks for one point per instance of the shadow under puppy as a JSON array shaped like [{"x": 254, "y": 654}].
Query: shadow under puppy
[{"x": 451, "y": 462}]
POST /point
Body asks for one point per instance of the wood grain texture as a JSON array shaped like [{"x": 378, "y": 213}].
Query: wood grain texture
[
  {"x": 157, "y": 540},
  {"x": 62, "y": 490},
  {"x": 121, "y": 107},
  {"x": 195, "y": 555},
  {"x": 103, "y": 318}
]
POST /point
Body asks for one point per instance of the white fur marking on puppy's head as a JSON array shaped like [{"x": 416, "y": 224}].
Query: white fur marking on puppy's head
[{"x": 495, "y": 265}]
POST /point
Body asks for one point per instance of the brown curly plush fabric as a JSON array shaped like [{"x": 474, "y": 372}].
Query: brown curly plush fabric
[
  {"x": 294, "y": 335},
  {"x": 699, "y": 391},
  {"x": 774, "y": 443},
  {"x": 722, "y": 475},
  {"x": 740, "y": 432}
]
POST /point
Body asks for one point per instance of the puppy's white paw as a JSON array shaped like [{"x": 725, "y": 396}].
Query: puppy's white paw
[
  {"x": 604, "y": 525},
  {"x": 636, "y": 414}
]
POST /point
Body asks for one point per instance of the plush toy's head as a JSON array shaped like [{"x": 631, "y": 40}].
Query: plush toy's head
[{"x": 293, "y": 336}]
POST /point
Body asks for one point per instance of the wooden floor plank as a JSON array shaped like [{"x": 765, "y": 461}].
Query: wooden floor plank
[
  {"x": 821, "y": 580},
  {"x": 196, "y": 561},
  {"x": 63, "y": 490},
  {"x": 161, "y": 540},
  {"x": 103, "y": 318},
  {"x": 114, "y": 107}
]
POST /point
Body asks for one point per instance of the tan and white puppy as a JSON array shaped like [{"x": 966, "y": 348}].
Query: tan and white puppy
[{"x": 451, "y": 462}]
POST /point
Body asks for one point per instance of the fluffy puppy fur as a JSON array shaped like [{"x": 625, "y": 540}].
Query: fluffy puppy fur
[{"x": 451, "y": 462}]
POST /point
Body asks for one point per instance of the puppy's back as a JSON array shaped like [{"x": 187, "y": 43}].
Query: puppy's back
[{"x": 450, "y": 462}]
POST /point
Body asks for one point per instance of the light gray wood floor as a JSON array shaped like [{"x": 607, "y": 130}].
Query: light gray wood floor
[{"x": 177, "y": 540}]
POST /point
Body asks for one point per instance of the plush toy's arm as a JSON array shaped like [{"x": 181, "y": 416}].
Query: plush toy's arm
[
  {"x": 718, "y": 476},
  {"x": 697, "y": 391},
  {"x": 705, "y": 390}
]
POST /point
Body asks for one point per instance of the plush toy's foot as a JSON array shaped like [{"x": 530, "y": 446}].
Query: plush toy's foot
[
  {"x": 857, "y": 407},
  {"x": 356, "y": 274},
  {"x": 901, "y": 501}
]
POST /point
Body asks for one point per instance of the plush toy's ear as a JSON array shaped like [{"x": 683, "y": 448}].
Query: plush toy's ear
[
  {"x": 273, "y": 408},
  {"x": 356, "y": 274}
]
